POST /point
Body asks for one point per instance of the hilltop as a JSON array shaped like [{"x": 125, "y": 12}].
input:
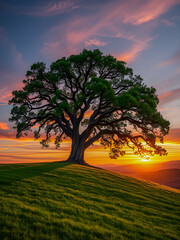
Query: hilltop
[{"x": 67, "y": 201}]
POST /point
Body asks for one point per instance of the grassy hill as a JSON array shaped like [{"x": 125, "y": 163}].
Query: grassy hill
[{"x": 65, "y": 201}]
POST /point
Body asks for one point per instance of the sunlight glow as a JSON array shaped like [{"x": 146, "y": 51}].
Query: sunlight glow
[{"x": 145, "y": 159}]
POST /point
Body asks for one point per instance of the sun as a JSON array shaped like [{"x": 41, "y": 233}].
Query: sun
[{"x": 145, "y": 160}]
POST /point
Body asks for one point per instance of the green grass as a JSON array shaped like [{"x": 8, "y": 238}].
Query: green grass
[{"x": 66, "y": 201}]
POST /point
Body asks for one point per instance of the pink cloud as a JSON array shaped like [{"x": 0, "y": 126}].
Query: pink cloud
[
  {"x": 134, "y": 51},
  {"x": 167, "y": 22},
  {"x": 5, "y": 95},
  {"x": 76, "y": 37},
  {"x": 95, "y": 42},
  {"x": 145, "y": 11},
  {"x": 174, "y": 59},
  {"x": 169, "y": 96},
  {"x": 109, "y": 20},
  {"x": 4, "y": 126}
]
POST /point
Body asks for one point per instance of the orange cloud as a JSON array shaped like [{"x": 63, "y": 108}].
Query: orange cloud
[
  {"x": 4, "y": 126},
  {"x": 16, "y": 152},
  {"x": 174, "y": 135}
]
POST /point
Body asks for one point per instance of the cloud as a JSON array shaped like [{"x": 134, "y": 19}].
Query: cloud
[
  {"x": 112, "y": 20},
  {"x": 174, "y": 135},
  {"x": 5, "y": 94},
  {"x": 95, "y": 42},
  {"x": 174, "y": 59},
  {"x": 145, "y": 11},
  {"x": 11, "y": 57},
  {"x": 7, "y": 134},
  {"x": 167, "y": 22},
  {"x": 4, "y": 126},
  {"x": 12, "y": 66},
  {"x": 131, "y": 54},
  {"x": 169, "y": 96},
  {"x": 47, "y": 9}
]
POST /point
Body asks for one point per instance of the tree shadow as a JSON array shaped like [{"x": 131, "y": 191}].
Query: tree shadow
[{"x": 12, "y": 175}]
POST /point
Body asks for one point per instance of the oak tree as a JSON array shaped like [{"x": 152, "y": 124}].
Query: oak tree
[{"x": 89, "y": 97}]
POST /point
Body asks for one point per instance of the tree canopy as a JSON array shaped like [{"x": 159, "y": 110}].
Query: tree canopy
[{"x": 89, "y": 97}]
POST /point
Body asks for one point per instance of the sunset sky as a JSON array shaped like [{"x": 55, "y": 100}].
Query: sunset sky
[{"x": 145, "y": 34}]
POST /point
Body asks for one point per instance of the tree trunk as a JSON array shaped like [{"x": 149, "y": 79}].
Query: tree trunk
[{"x": 77, "y": 152}]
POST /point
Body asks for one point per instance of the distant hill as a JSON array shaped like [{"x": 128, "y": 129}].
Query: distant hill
[
  {"x": 166, "y": 173},
  {"x": 64, "y": 201},
  {"x": 148, "y": 166},
  {"x": 168, "y": 177}
]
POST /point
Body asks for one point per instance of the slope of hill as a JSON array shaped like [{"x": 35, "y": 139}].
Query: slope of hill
[{"x": 63, "y": 201}]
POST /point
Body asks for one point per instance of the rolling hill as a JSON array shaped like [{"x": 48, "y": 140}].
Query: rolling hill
[
  {"x": 166, "y": 173},
  {"x": 65, "y": 201},
  {"x": 136, "y": 168},
  {"x": 168, "y": 177}
]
